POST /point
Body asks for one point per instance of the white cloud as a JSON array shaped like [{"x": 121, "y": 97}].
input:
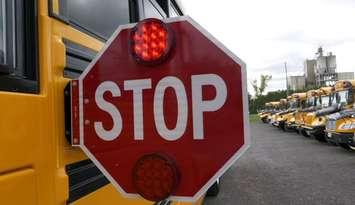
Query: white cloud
[{"x": 265, "y": 34}]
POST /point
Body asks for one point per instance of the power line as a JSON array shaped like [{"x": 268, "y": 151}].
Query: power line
[{"x": 286, "y": 78}]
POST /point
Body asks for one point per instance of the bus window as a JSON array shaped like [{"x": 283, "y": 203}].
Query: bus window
[
  {"x": 6, "y": 33},
  {"x": 18, "y": 46},
  {"x": 152, "y": 10},
  {"x": 325, "y": 101},
  {"x": 2, "y": 32},
  {"x": 100, "y": 18}
]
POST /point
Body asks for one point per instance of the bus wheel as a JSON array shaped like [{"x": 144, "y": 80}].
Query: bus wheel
[
  {"x": 320, "y": 137},
  {"x": 214, "y": 189},
  {"x": 347, "y": 146},
  {"x": 289, "y": 129},
  {"x": 282, "y": 126},
  {"x": 330, "y": 142},
  {"x": 304, "y": 133}
]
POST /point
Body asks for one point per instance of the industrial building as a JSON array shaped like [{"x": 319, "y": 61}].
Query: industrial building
[
  {"x": 325, "y": 69},
  {"x": 296, "y": 82},
  {"x": 320, "y": 71},
  {"x": 309, "y": 73},
  {"x": 345, "y": 76}
]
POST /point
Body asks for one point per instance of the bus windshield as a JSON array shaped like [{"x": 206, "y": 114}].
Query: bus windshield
[
  {"x": 294, "y": 103},
  {"x": 283, "y": 106},
  {"x": 343, "y": 97},
  {"x": 333, "y": 100},
  {"x": 325, "y": 101},
  {"x": 311, "y": 101}
]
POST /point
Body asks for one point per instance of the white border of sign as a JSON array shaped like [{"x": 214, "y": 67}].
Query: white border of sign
[{"x": 228, "y": 164}]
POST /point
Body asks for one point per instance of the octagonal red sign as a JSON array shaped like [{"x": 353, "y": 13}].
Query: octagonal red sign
[{"x": 191, "y": 107}]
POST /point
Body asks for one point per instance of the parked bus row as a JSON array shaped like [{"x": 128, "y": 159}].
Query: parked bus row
[{"x": 326, "y": 114}]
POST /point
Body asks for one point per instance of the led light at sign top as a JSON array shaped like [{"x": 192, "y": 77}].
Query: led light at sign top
[{"x": 151, "y": 41}]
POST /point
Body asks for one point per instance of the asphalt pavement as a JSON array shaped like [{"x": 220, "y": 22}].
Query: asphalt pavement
[{"x": 287, "y": 168}]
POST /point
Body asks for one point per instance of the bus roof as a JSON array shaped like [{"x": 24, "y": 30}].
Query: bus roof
[
  {"x": 275, "y": 103},
  {"x": 325, "y": 90},
  {"x": 344, "y": 84},
  {"x": 301, "y": 96},
  {"x": 312, "y": 93},
  {"x": 283, "y": 101}
]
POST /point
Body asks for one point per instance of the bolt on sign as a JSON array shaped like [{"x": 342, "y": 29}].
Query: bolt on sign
[{"x": 162, "y": 110}]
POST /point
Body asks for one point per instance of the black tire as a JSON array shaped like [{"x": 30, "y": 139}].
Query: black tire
[
  {"x": 304, "y": 133},
  {"x": 213, "y": 190},
  {"x": 345, "y": 146},
  {"x": 282, "y": 126},
  {"x": 289, "y": 129},
  {"x": 330, "y": 142},
  {"x": 320, "y": 137}
]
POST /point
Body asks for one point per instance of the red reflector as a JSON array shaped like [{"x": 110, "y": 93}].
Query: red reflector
[
  {"x": 155, "y": 177},
  {"x": 151, "y": 41}
]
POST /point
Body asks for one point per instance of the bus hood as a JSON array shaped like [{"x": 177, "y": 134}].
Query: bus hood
[
  {"x": 342, "y": 114},
  {"x": 286, "y": 112},
  {"x": 310, "y": 109},
  {"x": 328, "y": 110}
]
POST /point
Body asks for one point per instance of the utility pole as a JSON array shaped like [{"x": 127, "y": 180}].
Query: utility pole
[{"x": 286, "y": 78}]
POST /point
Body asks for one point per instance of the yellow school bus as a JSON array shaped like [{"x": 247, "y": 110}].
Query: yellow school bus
[
  {"x": 284, "y": 105},
  {"x": 315, "y": 119},
  {"x": 286, "y": 119},
  {"x": 44, "y": 44},
  {"x": 290, "y": 119},
  {"x": 301, "y": 99},
  {"x": 264, "y": 114},
  {"x": 340, "y": 128},
  {"x": 272, "y": 118},
  {"x": 310, "y": 104}
]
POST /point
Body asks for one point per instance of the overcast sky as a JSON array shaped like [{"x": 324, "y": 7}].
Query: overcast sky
[{"x": 265, "y": 34}]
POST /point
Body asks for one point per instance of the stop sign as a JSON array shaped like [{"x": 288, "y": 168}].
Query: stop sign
[{"x": 173, "y": 126}]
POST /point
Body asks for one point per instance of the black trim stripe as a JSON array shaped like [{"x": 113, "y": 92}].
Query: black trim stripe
[
  {"x": 84, "y": 178},
  {"x": 78, "y": 58}
]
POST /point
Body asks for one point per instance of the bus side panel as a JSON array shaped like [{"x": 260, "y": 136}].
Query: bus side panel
[
  {"x": 19, "y": 130},
  {"x": 18, "y": 187}
]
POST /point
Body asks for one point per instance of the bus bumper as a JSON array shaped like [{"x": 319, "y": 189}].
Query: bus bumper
[
  {"x": 317, "y": 130},
  {"x": 341, "y": 138},
  {"x": 291, "y": 125}
]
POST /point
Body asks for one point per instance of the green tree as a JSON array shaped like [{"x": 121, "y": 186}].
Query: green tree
[
  {"x": 258, "y": 103},
  {"x": 264, "y": 80}
]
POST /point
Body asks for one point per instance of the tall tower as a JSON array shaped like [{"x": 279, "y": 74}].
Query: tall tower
[
  {"x": 309, "y": 72},
  {"x": 325, "y": 68}
]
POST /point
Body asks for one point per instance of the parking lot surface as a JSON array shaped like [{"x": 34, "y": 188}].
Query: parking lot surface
[{"x": 287, "y": 168}]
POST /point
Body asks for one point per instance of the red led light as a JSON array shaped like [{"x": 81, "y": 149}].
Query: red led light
[
  {"x": 151, "y": 41},
  {"x": 155, "y": 177}
]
